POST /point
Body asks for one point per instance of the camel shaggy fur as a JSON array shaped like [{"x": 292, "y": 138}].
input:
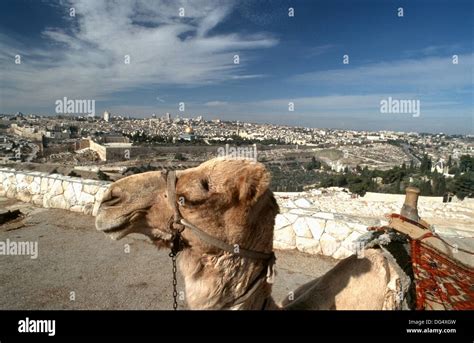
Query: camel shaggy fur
[{"x": 231, "y": 201}]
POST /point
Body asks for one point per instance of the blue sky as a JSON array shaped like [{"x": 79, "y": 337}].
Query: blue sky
[{"x": 283, "y": 59}]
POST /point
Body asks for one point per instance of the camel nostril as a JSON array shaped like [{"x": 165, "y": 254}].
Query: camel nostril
[
  {"x": 112, "y": 197},
  {"x": 112, "y": 201}
]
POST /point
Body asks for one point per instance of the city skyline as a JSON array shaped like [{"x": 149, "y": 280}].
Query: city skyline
[{"x": 282, "y": 59}]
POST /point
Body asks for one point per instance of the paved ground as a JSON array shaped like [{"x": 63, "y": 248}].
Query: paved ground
[{"x": 74, "y": 257}]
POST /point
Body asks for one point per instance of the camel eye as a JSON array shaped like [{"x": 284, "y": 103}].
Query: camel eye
[{"x": 205, "y": 184}]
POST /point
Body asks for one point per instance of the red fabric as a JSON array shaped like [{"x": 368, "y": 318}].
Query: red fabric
[{"x": 440, "y": 280}]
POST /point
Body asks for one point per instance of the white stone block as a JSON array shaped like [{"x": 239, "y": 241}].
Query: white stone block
[
  {"x": 291, "y": 218},
  {"x": 308, "y": 245},
  {"x": 316, "y": 226},
  {"x": 85, "y": 198},
  {"x": 301, "y": 212},
  {"x": 58, "y": 201},
  {"x": 337, "y": 229},
  {"x": 44, "y": 185},
  {"x": 289, "y": 204},
  {"x": 282, "y": 246},
  {"x": 34, "y": 188},
  {"x": 301, "y": 228},
  {"x": 77, "y": 189},
  {"x": 91, "y": 189},
  {"x": 303, "y": 203},
  {"x": 324, "y": 215},
  {"x": 329, "y": 244},
  {"x": 100, "y": 193},
  {"x": 69, "y": 194},
  {"x": 19, "y": 178},
  {"x": 285, "y": 236},
  {"x": 281, "y": 222},
  {"x": 342, "y": 253},
  {"x": 56, "y": 187},
  {"x": 361, "y": 228}
]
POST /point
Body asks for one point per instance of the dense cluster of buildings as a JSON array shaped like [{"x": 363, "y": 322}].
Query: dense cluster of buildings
[{"x": 111, "y": 136}]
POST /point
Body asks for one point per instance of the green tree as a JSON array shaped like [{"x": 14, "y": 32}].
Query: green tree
[
  {"x": 425, "y": 166},
  {"x": 425, "y": 188},
  {"x": 314, "y": 164},
  {"x": 466, "y": 163},
  {"x": 463, "y": 185},
  {"x": 439, "y": 185}
]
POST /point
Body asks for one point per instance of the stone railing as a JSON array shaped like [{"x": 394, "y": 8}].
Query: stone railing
[
  {"x": 52, "y": 190},
  {"x": 298, "y": 227},
  {"x": 309, "y": 222},
  {"x": 311, "y": 231}
]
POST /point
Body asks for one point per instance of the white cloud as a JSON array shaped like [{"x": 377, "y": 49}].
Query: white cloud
[
  {"x": 319, "y": 50},
  {"x": 428, "y": 74},
  {"x": 216, "y": 103},
  {"x": 246, "y": 77},
  {"x": 86, "y": 60}
]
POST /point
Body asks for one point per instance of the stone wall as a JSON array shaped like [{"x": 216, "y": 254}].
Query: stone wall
[
  {"x": 99, "y": 149},
  {"x": 308, "y": 230},
  {"x": 300, "y": 225},
  {"x": 327, "y": 221},
  {"x": 52, "y": 190},
  {"x": 323, "y": 222}
]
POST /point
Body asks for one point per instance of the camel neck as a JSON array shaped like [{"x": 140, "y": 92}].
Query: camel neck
[{"x": 224, "y": 282}]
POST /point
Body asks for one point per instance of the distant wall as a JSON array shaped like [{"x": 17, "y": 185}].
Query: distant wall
[
  {"x": 27, "y": 132},
  {"x": 53, "y": 190},
  {"x": 110, "y": 152},
  {"x": 99, "y": 149}
]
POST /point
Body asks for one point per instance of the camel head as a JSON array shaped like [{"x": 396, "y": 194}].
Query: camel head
[{"x": 228, "y": 199}]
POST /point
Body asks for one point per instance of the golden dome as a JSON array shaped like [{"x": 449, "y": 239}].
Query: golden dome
[{"x": 189, "y": 129}]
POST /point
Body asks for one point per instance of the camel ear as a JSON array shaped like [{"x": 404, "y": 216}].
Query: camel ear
[{"x": 253, "y": 181}]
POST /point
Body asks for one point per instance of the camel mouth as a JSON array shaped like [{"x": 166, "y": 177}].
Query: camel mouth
[
  {"x": 124, "y": 225},
  {"x": 115, "y": 228},
  {"x": 121, "y": 226},
  {"x": 115, "y": 232}
]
